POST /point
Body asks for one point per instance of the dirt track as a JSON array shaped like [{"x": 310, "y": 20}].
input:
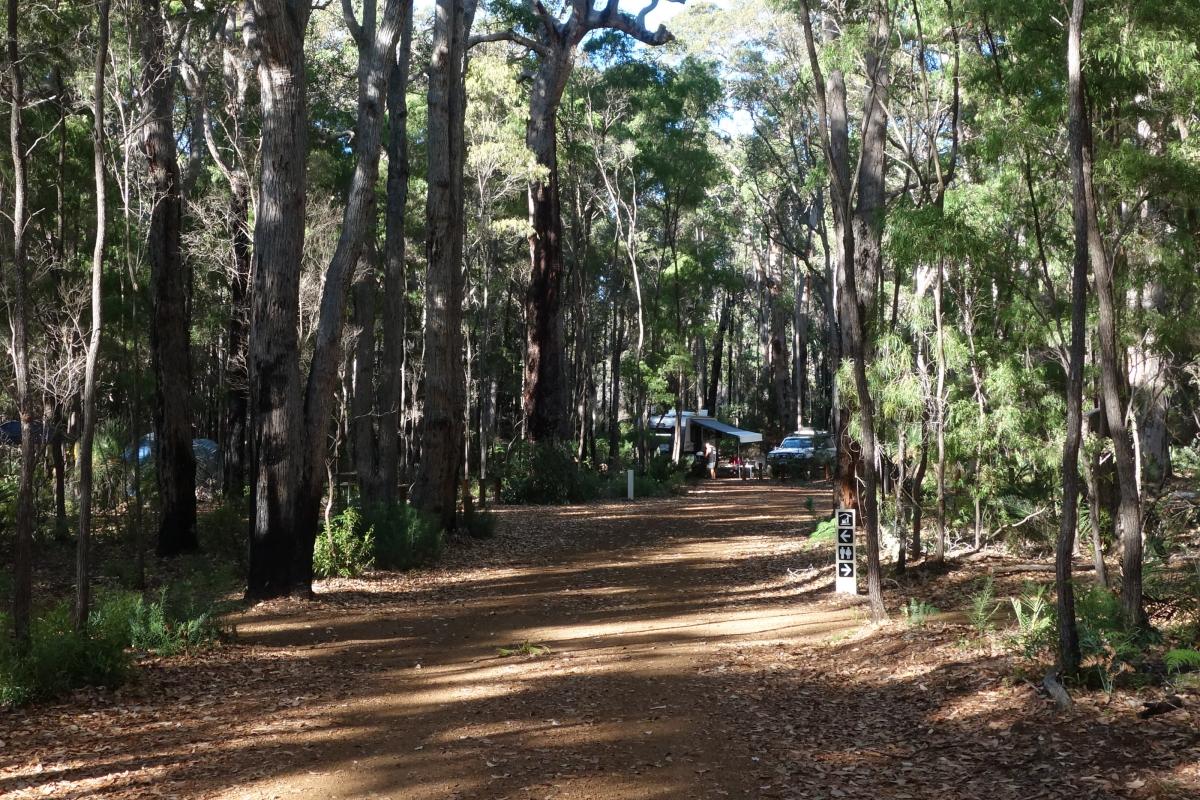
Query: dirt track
[
  {"x": 695, "y": 650},
  {"x": 635, "y": 603}
]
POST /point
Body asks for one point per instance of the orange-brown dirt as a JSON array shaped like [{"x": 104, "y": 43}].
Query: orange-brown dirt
[{"x": 695, "y": 650}]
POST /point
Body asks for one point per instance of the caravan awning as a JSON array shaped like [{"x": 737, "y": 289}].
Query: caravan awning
[{"x": 744, "y": 437}]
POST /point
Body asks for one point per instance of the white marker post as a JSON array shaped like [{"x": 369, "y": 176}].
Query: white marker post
[
  {"x": 629, "y": 484},
  {"x": 847, "y": 573}
]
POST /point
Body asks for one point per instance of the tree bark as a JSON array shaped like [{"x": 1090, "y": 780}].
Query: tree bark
[
  {"x": 545, "y": 393},
  {"x": 1113, "y": 387},
  {"x": 276, "y": 405},
  {"x": 834, "y": 131},
  {"x": 22, "y": 591},
  {"x": 87, "y": 435},
  {"x": 1068, "y": 634},
  {"x": 395, "y": 305},
  {"x": 170, "y": 285},
  {"x": 443, "y": 424}
]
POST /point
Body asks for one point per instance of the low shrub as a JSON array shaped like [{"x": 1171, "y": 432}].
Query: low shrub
[
  {"x": 59, "y": 659},
  {"x": 404, "y": 537},
  {"x": 545, "y": 473},
  {"x": 1035, "y": 621},
  {"x": 153, "y": 628},
  {"x": 1107, "y": 645},
  {"x": 917, "y": 612},
  {"x": 345, "y": 547},
  {"x": 983, "y": 606},
  {"x": 222, "y": 530},
  {"x": 826, "y": 531}
]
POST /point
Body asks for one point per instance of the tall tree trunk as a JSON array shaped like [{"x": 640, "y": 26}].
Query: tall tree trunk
[
  {"x": 22, "y": 591},
  {"x": 614, "y": 372},
  {"x": 237, "y": 396},
  {"x": 545, "y": 387},
  {"x": 1112, "y": 375},
  {"x": 362, "y": 402},
  {"x": 276, "y": 404},
  {"x": 83, "y": 544},
  {"x": 939, "y": 419},
  {"x": 868, "y": 218},
  {"x": 435, "y": 489},
  {"x": 714, "y": 380},
  {"x": 780, "y": 364},
  {"x": 800, "y": 346},
  {"x": 1068, "y": 634},
  {"x": 395, "y": 305},
  {"x": 375, "y": 58},
  {"x": 170, "y": 284}
]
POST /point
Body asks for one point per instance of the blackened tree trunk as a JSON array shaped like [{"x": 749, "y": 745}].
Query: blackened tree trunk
[
  {"x": 443, "y": 424},
  {"x": 170, "y": 284},
  {"x": 276, "y": 405},
  {"x": 22, "y": 591},
  {"x": 87, "y": 435},
  {"x": 714, "y": 379},
  {"x": 1068, "y": 633}
]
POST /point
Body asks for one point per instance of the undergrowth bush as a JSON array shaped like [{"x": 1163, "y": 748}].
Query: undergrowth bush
[
  {"x": 548, "y": 474},
  {"x": 404, "y": 537},
  {"x": 155, "y": 628},
  {"x": 59, "y": 659},
  {"x": 345, "y": 547},
  {"x": 1035, "y": 620}
]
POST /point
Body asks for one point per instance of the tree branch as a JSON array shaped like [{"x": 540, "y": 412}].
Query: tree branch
[
  {"x": 356, "y": 30},
  {"x": 509, "y": 35},
  {"x": 611, "y": 17}
]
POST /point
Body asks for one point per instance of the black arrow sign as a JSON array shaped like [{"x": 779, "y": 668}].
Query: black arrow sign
[
  {"x": 845, "y": 535},
  {"x": 845, "y": 553},
  {"x": 845, "y": 519},
  {"x": 845, "y": 570}
]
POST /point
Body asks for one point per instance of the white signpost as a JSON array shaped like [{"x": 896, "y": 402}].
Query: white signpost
[
  {"x": 847, "y": 573},
  {"x": 629, "y": 484}
]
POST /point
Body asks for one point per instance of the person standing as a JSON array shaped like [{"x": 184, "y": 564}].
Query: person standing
[{"x": 710, "y": 455}]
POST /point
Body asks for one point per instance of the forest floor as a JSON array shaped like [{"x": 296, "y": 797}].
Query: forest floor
[{"x": 682, "y": 648}]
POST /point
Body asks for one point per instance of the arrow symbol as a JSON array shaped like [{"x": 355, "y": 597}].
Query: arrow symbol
[
  {"x": 845, "y": 570},
  {"x": 845, "y": 536}
]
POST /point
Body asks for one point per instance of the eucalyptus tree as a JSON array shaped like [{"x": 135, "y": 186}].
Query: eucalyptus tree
[
  {"x": 854, "y": 220},
  {"x": 290, "y": 417},
  {"x": 22, "y": 592},
  {"x": 87, "y": 434},
  {"x": 552, "y": 36},
  {"x": 436, "y": 487},
  {"x": 170, "y": 280}
]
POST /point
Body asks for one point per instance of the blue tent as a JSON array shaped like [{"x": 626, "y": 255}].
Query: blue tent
[{"x": 207, "y": 452}]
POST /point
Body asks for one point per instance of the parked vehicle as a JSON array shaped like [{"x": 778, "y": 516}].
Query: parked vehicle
[{"x": 801, "y": 454}]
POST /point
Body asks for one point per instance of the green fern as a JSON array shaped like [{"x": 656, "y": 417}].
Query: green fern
[{"x": 1181, "y": 659}]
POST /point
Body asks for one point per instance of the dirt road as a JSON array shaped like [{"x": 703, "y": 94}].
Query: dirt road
[{"x": 680, "y": 648}]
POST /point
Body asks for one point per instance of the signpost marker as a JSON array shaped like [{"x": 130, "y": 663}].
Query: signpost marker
[
  {"x": 629, "y": 484},
  {"x": 846, "y": 581}
]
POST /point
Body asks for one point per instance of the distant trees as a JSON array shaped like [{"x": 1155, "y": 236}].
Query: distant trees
[{"x": 837, "y": 215}]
